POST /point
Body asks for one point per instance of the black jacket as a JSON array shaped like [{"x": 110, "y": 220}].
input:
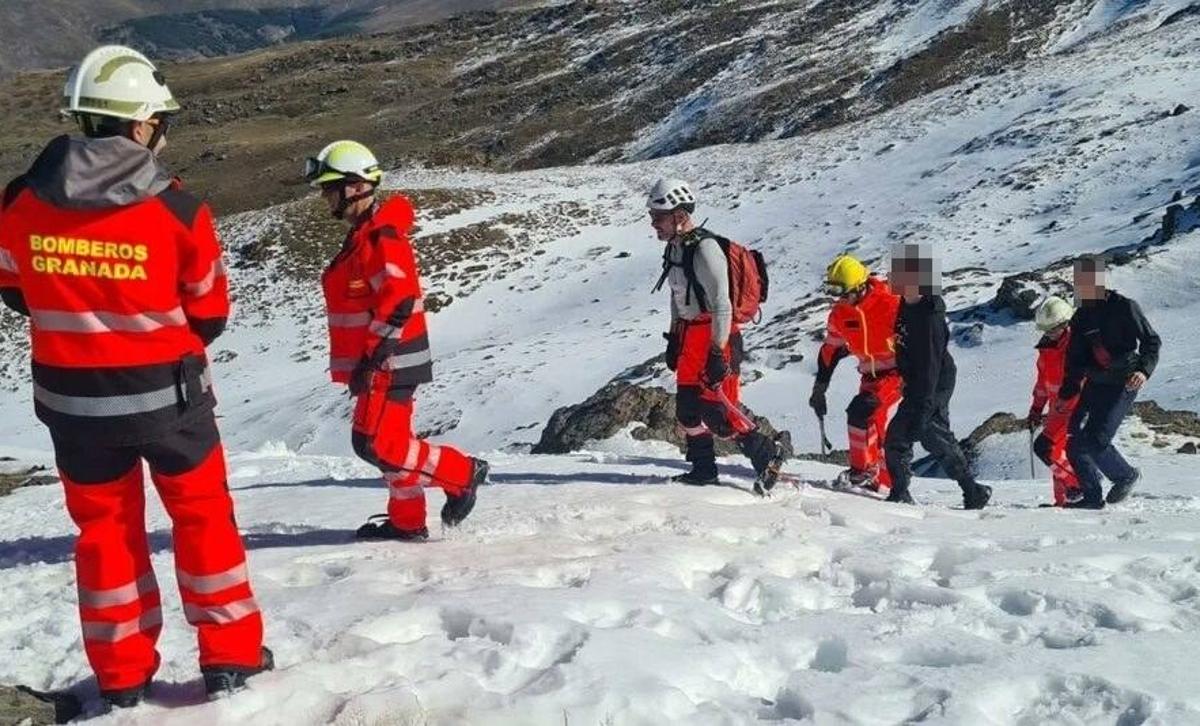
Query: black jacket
[
  {"x": 922, "y": 356},
  {"x": 1110, "y": 340}
]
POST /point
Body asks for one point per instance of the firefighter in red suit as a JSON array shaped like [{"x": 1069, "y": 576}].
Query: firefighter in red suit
[
  {"x": 862, "y": 323},
  {"x": 119, "y": 271},
  {"x": 1053, "y": 319},
  {"x": 379, "y": 347}
]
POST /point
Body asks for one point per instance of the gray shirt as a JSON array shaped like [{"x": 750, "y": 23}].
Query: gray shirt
[{"x": 712, "y": 274}]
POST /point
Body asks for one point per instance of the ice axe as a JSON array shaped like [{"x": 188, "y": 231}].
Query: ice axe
[{"x": 741, "y": 422}]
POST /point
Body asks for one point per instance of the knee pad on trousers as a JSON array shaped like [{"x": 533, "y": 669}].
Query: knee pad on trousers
[
  {"x": 1042, "y": 446},
  {"x": 364, "y": 447},
  {"x": 861, "y": 409},
  {"x": 688, "y": 409}
]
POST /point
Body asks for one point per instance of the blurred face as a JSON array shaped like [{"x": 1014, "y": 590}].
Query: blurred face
[
  {"x": 914, "y": 271},
  {"x": 667, "y": 225},
  {"x": 1091, "y": 281},
  {"x": 332, "y": 193}
]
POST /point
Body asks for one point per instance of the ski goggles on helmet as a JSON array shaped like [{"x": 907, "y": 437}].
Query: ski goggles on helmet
[{"x": 314, "y": 167}]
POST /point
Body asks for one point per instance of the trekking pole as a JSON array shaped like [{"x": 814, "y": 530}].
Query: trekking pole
[
  {"x": 1032, "y": 472},
  {"x": 826, "y": 447}
]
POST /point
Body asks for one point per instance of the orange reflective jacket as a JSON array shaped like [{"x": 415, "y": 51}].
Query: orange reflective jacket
[
  {"x": 864, "y": 330},
  {"x": 373, "y": 299}
]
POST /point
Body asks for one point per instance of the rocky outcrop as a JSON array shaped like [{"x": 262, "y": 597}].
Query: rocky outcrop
[
  {"x": 26, "y": 707},
  {"x": 23, "y": 477},
  {"x": 1022, "y": 293},
  {"x": 612, "y": 409}
]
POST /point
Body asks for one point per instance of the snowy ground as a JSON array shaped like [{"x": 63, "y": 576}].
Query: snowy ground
[
  {"x": 579, "y": 592},
  {"x": 584, "y": 591}
]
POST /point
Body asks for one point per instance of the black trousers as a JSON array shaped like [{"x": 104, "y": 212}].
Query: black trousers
[{"x": 931, "y": 428}]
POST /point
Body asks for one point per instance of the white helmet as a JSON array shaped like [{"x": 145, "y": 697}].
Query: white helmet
[
  {"x": 117, "y": 82},
  {"x": 1052, "y": 313},
  {"x": 669, "y": 194},
  {"x": 343, "y": 159}
]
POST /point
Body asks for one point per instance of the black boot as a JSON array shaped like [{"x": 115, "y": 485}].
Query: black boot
[
  {"x": 703, "y": 473},
  {"x": 1085, "y": 503},
  {"x": 379, "y": 526},
  {"x": 900, "y": 496},
  {"x": 456, "y": 508},
  {"x": 975, "y": 495},
  {"x": 126, "y": 697},
  {"x": 219, "y": 680},
  {"x": 1120, "y": 490}
]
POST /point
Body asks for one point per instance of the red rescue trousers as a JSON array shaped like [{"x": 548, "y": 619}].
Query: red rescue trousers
[
  {"x": 1051, "y": 447},
  {"x": 383, "y": 435},
  {"x": 689, "y": 372},
  {"x": 867, "y": 419},
  {"x": 119, "y": 601}
]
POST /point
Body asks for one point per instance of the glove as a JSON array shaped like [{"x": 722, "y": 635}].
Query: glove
[
  {"x": 715, "y": 369},
  {"x": 360, "y": 378},
  {"x": 1035, "y": 419},
  {"x": 672, "y": 339},
  {"x": 817, "y": 399}
]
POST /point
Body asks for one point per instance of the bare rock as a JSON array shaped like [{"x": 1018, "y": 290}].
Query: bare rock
[{"x": 616, "y": 406}]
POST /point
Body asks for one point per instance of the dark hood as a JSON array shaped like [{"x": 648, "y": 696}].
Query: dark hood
[{"x": 82, "y": 173}]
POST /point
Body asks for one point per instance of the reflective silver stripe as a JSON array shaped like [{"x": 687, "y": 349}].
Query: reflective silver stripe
[
  {"x": 100, "y": 406},
  {"x": 208, "y": 584},
  {"x": 342, "y": 364},
  {"x": 412, "y": 491},
  {"x": 7, "y": 262},
  {"x": 394, "y": 270},
  {"x": 98, "y": 321},
  {"x": 431, "y": 463},
  {"x": 205, "y": 284},
  {"x": 220, "y": 614},
  {"x": 409, "y": 360},
  {"x": 114, "y": 632},
  {"x": 376, "y": 281},
  {"x": 414, "y": 455},
  {"x": 383, "y": 330},
  {"x": 349, "y": 320},
  {"x": 114, "y": 596}
]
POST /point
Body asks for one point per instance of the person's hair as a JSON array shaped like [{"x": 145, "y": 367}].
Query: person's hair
[
  {"x": 95, "y": 126},
  {"x": 1090, "y": 263}
]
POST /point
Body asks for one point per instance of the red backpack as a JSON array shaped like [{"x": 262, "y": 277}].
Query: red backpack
[{"x": 748, "y": 279}]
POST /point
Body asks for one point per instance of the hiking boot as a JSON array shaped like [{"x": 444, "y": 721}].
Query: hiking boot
[
  {"x": 857, "y": 479},
  {"x": 1072, "y": 496},
  {"x": 457, "y": 507},
  {"x": 699, "y": 476},
  {"x": 976, "y": 496},
  {"x": 126, "y": 697},
  {"x": 766, "y": 456},
  {"x": 379, "y": 526},
  {"x": 220, "y": 680},
  {"x": 1120, "y": 490},
  {"x": 900, "y": 496},
  {"x": 1085, "y": 503}
]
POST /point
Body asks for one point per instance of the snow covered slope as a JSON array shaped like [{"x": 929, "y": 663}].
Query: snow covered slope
[{"x": 581, "y": 591}]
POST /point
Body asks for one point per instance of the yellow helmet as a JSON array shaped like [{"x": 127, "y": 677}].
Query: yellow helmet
[
  {"x": 846, "y": 274},
  {"x": 342, "y": 160}
]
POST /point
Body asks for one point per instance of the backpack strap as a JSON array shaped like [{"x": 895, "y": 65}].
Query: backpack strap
[{"x": 666, "y": 269}]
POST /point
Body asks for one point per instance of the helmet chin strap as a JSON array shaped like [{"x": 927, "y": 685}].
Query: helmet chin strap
[{"x": 344, "y": 202}]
